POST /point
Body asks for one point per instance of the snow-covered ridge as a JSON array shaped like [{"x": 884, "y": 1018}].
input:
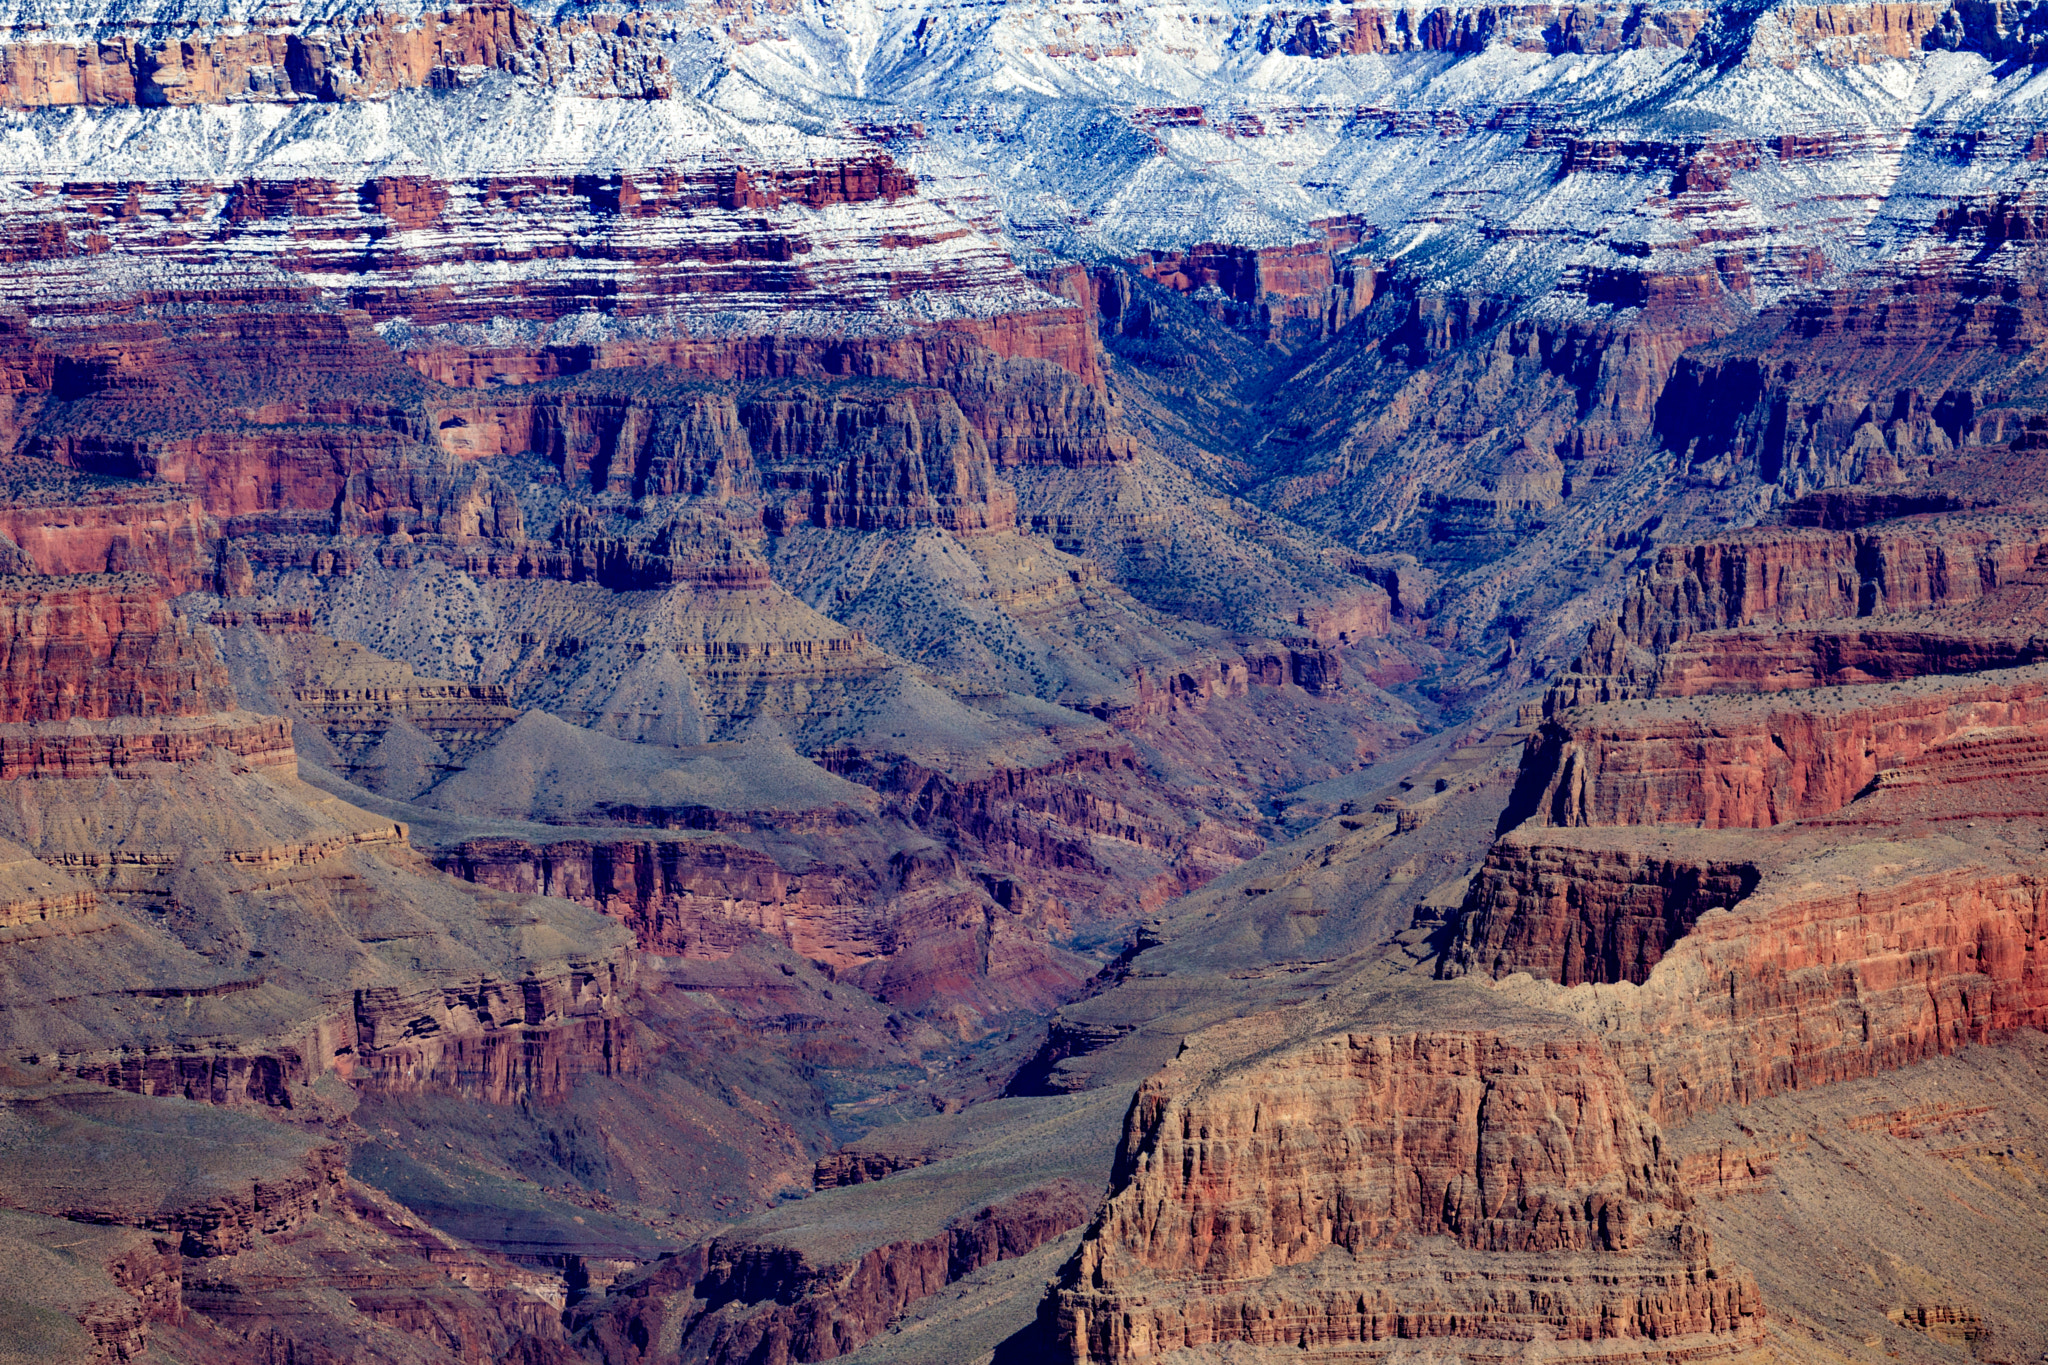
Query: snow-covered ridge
[
  {"x": 500, "y": 126},
  {"x": 1526, "y": 149}
]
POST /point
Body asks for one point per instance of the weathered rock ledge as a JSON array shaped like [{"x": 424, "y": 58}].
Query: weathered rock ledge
[{"x": 1363, "y": 1189}]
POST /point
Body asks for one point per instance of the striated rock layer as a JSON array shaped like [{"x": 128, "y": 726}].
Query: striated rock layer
[
  {"x": 1357, "y": 1191},
  {"x": 1843, "y": 961},
  {"x": 99, "y": 647},
  {"x": 1753, "y": 762},
  {"x": 728, "y": 1301}
]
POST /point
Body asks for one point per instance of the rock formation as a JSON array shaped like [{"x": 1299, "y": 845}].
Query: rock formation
[
  {"x": 1298, "y": 1206},
  {"x": 728, "y": 682}
]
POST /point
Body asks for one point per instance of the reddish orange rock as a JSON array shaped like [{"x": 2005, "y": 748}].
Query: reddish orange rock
[
  {"x": 1767, "y": 962},
  {"x": 98, "y": 647},
  {"x": 1753, "y": 762},
  {"x": 1367, "y": 1188}
]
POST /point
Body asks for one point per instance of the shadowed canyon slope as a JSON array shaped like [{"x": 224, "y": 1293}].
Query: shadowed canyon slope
[{"x": 792, "y": 681}]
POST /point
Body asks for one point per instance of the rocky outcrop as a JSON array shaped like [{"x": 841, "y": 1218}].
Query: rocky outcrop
[
  {"x": 1839, "y": 655},
  {"x": 920, "y": 932},
  {"x": 1752, "y": 762},
  {"x": 1317, "y": 672},
  {"x": 489, "y": 1039},
  {"x": 1574, "y": 916},
  {"x": 844, "y": 456},
  {"x": 1042, "y": 823},
  {"x": 226, "y": 1225},
  {"x": 1787, "y": 578},
  {"x": 689, "y": 897},
  {"x": 369, "y": 1277},
  {"x": 207, "y": 812},
  {"x": 146, "y": 531},
  {"x": 1289, "y": 296},
  {"x": 1289, "y": 1204},
  {"x": 369, "y": 58},
  {"x": 100, "y": 647},
  {"x": 1847, "y": 960},
  {"x": 498, "y": 1042},
  {"x": 729, "y": 1300},
  {"x": 366, "y": 59},
  {"x": 687, "y": 266},
  {"x": 118, "y": 1285},
  {"x": 210, "y": 1204},
  {"x": 1878, "y": 383},
  {"x": 102, "y": 678},
  {"x": 859, "y": 1168},
  {"x": 84, "y": 750}
]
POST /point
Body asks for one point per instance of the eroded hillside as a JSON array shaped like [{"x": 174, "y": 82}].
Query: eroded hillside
[{"x": 789, "y": 681}]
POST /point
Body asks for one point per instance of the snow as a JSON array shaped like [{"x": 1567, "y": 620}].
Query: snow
[{"x": 1035, "y": 129}]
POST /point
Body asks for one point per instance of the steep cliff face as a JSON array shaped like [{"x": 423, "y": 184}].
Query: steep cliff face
[
  {"x": 1573, "y": 916},
  {"x": 1752, "y": 762},
  {"x": 1252, "y": 1207},
  {"x": 187, "y": 63},
  {"x": 1779, "y": 578},
  {"x": 1844, "y": 960},
  {"x": 1882, "y": 382},
  {"x": 99, "y": 647},
  {"x": 925, "y": 933},
  {"x": 864, "y": 457},
  {"x": 730, "y": 1301},
  {"x": 149, "y": 531},
  {"x": 1288, "y": 296}
]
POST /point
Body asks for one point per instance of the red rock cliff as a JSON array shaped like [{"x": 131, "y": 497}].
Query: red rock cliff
[
  {"x": 1752, "y": 762},
  {"x": 100, "y": 646},
  {"x": 1847, "y": 960},
  {"x": 1286, "y": 1205}
]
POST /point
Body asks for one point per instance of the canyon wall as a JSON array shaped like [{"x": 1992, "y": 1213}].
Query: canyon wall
[
  {"x": 98, "y": 647},
  {"x": 1753, "y": 762},
  {"x": 1286, "y": 1205},
  {"x": 729, "y": 1301},
  {"x": 1838, "y": 964}
]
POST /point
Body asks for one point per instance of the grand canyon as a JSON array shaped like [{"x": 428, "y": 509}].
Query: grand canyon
[{"x": 974, "y": 683}]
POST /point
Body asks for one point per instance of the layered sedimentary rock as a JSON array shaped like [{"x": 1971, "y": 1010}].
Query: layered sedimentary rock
[
  {"x": 1844, "y": 960},
  {"x": 1605, "y": 915},
  {"x": 1775, "y": 579},
  {"x": 1752, "y": 762},
  {"x": 150, "y": 531},
  {"x": 85, "y": 1293},
  {"x": 98, "y": 647},
  {"x": 166, "y": 1227},
  {"x": 192, "y": 63},
  {"x": 1289, "y": 296},
  {"x": 1857, "y": 879},
  {"x": 1300, "y": 1202},
  {"x": 209, "y": 1203},
  {"x": 729, "y": 1301},
  {"x": 576, "y": 410},
  {"x": 865, "y": 457},
  {"x": 102, "y": 677},
  {"x": 207, "y": 815},
  {"x": 924, "y": 933},
  {"x": 665, "y": 255}
]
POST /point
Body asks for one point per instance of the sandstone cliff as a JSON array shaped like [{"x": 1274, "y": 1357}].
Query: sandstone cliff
[
  {"x": 1255, "y": 1207},
  {"x": 1844, "y": 958}
]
